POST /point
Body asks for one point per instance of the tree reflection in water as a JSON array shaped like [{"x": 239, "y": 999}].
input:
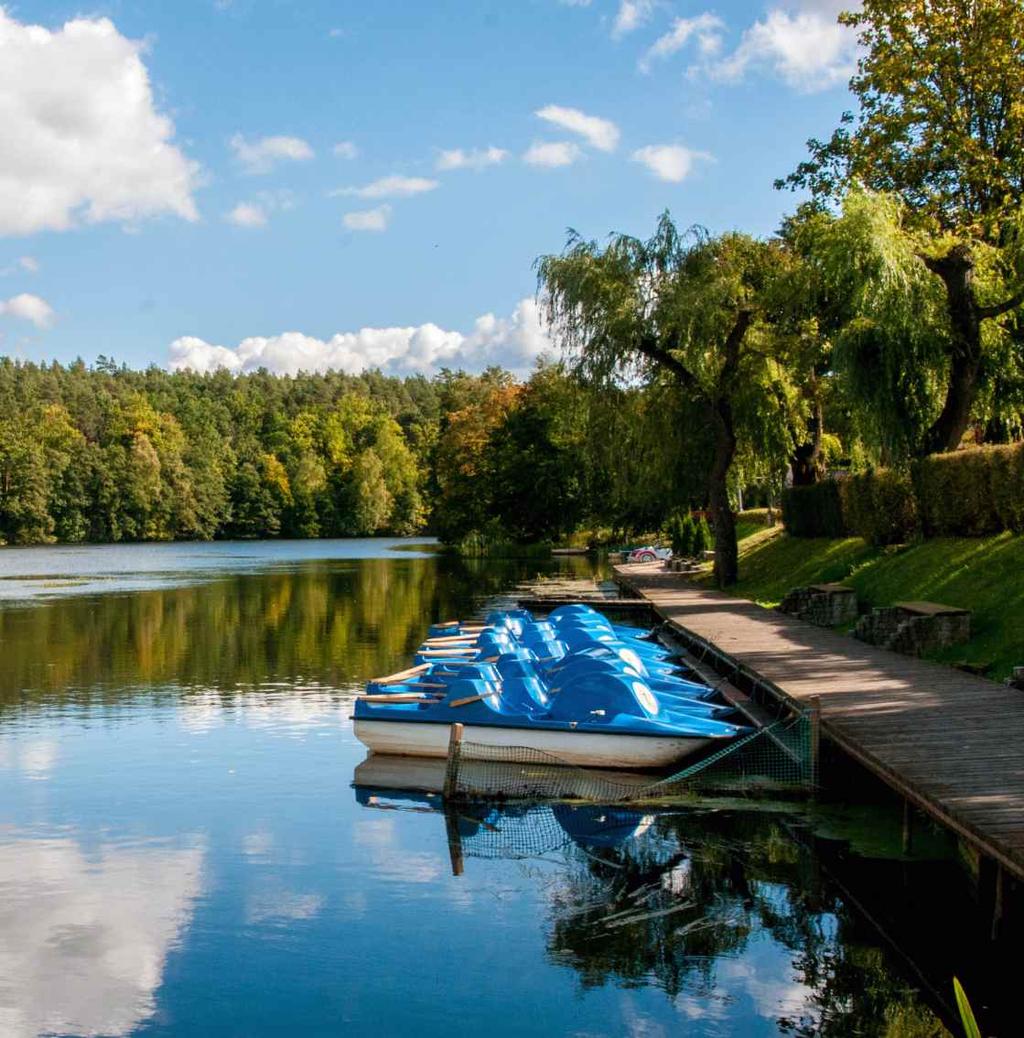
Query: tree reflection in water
[{"x": 727, "y": 911}]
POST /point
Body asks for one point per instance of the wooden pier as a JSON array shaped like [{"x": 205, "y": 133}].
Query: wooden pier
[{"x": 951, "y": 743}]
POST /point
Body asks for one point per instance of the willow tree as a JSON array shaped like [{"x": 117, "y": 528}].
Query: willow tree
[
  {"x": 696, "y": 310},
  {"x": 941, "y": 127}
]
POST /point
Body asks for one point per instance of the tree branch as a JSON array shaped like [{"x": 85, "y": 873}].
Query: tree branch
[
  {"x": 998, "y": 309},
  {"x": 649, "y": 346}
]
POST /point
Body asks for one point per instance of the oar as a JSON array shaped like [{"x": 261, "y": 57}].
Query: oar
[
  {"x": 446, "y": 652},
  {"x": 473, "y": 699},
  {"x": 402, "y": 675},
  {"x": 396, "y": 697}
]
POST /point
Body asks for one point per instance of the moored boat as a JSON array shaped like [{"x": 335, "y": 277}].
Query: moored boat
[{"x": 573, "y": 687}]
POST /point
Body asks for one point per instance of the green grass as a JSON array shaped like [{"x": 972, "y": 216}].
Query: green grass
[{"x": 983, "y": 574}]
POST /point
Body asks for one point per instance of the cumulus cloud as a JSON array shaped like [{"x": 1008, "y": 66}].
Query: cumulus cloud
[
  {"x": 476, "y": 158},
  {"x": 802, "y": 44},
  {"x": 82, "y": 140},
  {"x": 552, "y": 154},
  {"x": 247, "y": 214},
  {"x": 345, "y": 150},
  {"x": 670, "y": 162},
  {"x": 514, "y": 342},
  {"x": 376, "y": 219},
  {"x": 390, "y": 187},
  {"x": 27, "y": 307},
  {"x": 707, "y": 29},
  {"x": 598, "y": 133},
  {"x": 631, "y": 15},
  {"x": 263, "y": 154}
]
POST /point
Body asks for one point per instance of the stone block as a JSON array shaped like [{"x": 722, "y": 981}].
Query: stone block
[
  {"x": 915, "y": 628},
  {"x": 826, "y": 605}
]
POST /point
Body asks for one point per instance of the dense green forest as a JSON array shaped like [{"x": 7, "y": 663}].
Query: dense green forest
[
  {"x": 110, "y": 454},
  {"x": 882, "y": 324}
]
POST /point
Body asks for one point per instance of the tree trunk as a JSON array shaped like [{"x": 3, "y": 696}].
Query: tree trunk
[
  {"x": 726, "y": 548},
  {"x": 956, "y": 269},
  {"x": 806, "y": 460}
]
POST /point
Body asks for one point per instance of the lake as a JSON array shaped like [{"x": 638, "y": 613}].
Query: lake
[{"x": 182, "y": 850}]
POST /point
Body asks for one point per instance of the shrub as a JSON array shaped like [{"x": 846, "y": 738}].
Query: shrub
[
  {"x": 702, "y": 539},
  {"x": 814, "y": 511},
  {"x": 971, "y": 492},
  {"x": 680, "y": 533},
  {"x": 880, "y": 506}
]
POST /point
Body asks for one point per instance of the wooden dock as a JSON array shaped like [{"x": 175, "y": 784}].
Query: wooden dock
[{"x": 949, "y": 742}]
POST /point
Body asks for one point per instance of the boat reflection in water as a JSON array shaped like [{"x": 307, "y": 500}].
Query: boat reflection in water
[{"x": 744, "y": 915}]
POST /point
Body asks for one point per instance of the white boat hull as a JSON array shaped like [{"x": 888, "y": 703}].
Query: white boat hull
[{"x": 584, "y": 749}]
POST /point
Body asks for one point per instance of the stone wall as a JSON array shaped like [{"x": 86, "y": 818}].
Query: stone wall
[
  {"x": 914, "y": 630},
  {"x": 826, "y": 605}
]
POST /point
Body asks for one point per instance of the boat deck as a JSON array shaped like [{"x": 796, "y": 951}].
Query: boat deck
[{"x": 950, "y": 742}]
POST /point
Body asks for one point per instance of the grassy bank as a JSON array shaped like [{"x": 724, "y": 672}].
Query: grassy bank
[{"x": 982, "y": 574}]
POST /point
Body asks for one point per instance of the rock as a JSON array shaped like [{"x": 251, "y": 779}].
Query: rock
[{"x": 826, "y": 605}]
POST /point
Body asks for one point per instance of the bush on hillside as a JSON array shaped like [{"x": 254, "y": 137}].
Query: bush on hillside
[
  {"x": 880, "y": 507},
  {"x": 702, "y": 538},
  {"x": 973, "y": 492},
  {"x": 814, "y": 511}
]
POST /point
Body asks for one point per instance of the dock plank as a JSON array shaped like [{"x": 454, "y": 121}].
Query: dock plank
[{"x": 950, "y": 741}]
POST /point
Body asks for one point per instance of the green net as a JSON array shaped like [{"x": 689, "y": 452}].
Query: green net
[{"x": 770, "y": 760}]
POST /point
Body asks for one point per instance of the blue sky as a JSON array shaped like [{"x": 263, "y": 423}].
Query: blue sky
[{"x": 182, "y": 178}]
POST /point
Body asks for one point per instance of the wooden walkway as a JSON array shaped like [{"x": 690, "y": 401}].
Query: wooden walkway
[{"x": 951, "y": 743}]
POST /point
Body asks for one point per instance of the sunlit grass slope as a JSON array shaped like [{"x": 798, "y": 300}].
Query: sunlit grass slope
[{"x": 984, "y": 574}]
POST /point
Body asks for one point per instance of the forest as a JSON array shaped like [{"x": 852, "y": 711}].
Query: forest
[{"x": 882, "y": 324}]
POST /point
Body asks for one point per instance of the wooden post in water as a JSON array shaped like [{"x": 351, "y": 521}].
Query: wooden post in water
[
  {"x": 814, "y": 718},
  {"x": 451, "y": 787},
  {"x": 908, "y": 825},
  {"x": 451, "y": 774}
]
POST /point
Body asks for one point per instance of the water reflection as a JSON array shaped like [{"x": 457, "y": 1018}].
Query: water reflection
[
  {"x": 85, "y": 931},
  {"x": 725, "y": 911},
  {"x": 181, "y": 851}
]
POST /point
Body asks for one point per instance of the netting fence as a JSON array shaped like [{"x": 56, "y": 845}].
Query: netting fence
[{"x": 780, "y": 757}]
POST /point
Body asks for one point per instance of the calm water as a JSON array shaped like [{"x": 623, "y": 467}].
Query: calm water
[{"x": 182, "y": 850}]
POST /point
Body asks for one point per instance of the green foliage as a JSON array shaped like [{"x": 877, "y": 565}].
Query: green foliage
[
  {"x": 814, "y": 511},
  {"x": 971, "y": 1029},
  {"x": 880, "y": 506},
  {"x": 681, "y": 531},
  {"x": 971, "y": 492},
  {"x": 703, "y": 538}
]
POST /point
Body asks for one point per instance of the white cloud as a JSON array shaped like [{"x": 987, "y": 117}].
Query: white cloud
[
  {"x": 376, "y": 219},
  {"x": 803, "y": 45},
  {"x": 82, "y": 140},
  {"x": 552, "y": 154},
  {"x": 27, "y": 307},
  {"x": 598, "y": 133},
  {"x": 631, "y": 15},
  {"x": 390, "y": 187},
  {"x": 247, "y": 214},
  {"x": 345, "y": 150},
  {"x": 707, "y": 29},
  {"x": 262, "y": 155},
  {"x": 514, "y": 342},
  {"x": 476, "y": 158},
  {"x": 671, "y": 162}
]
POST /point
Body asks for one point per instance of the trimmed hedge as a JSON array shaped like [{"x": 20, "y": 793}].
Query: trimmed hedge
[
  {"x": 967, "y": 493},
  {"x": 971, "y": 493},
  {"x": 814, "y": 511},
  {"x": 880, "y": 507}
]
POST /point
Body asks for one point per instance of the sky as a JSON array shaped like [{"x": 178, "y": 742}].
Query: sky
[{"x": 304, "y": 184}]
